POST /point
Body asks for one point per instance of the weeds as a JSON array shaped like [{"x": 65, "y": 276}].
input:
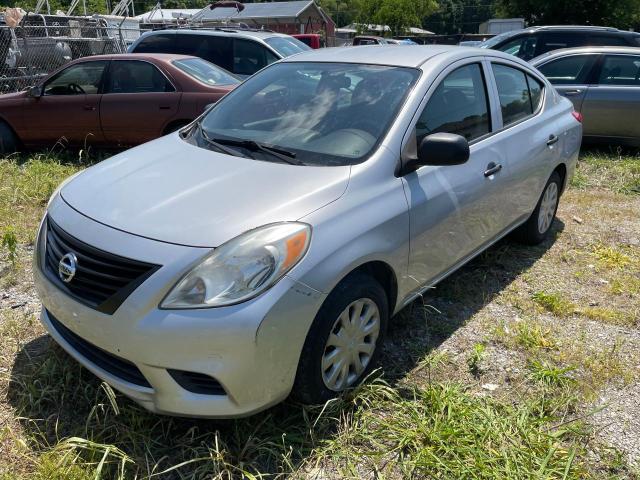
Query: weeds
[
  {"x": 554, "y": 303},
  {"x": 550, "y": 375},
  {"x": 475, "y": 358},
  {"x": 10, "y": 243}
]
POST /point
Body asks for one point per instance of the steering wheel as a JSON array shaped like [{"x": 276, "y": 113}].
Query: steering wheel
[{"x": 75, "y": 88}]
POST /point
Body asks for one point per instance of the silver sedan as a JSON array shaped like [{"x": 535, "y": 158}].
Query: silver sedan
[
  {"x": 604, "y": 85},
  {"x": 264, "y": 249}
]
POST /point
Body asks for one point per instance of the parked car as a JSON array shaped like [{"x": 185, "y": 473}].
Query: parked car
[
  {"x": 112, "y": 100},
  {"x": 535, "y": 41},
  {"x": 371, "y": 40},
  {"x": 242, "y": 52},
  {"x": 604, "y": 85},
  {"x": 264, "y": 248},
  {"x": 313, "y": 40}
]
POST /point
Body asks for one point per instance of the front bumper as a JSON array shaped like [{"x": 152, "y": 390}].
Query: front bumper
[{"x": 251, "y": 349}]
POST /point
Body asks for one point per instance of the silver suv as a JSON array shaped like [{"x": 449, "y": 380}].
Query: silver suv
[
  {"x": 265, "y": 247},
  {"x": 242, "y": 52}
]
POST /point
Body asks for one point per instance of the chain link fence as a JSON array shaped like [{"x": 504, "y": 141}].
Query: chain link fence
[{"x": 39, "y": 45}]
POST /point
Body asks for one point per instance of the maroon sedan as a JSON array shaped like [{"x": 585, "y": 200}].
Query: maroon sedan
[{"x": 113, "y": 100}]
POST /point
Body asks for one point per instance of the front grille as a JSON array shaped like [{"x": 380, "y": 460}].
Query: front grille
[
  {"x": 102, "y": 280},
  {"x": 197, "y": 382},
  {"x": 116, "y": 366}
]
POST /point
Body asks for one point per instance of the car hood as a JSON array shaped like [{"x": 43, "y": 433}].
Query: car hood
[{"x": 172, "y": 191}]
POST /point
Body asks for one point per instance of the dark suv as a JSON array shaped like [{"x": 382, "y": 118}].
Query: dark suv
[
  {"x": 534, "y": 41},
  {"x": 242, "y": 52}
]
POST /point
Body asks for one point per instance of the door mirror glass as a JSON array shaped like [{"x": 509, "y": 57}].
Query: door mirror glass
[
  {"x": 440, "y": 149},
  {"x": 35, "y": 91}
]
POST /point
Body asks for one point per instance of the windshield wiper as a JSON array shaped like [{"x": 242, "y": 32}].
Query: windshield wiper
[
  {"x": 284, "y": 155},
  {"x": 215, "y": 143}
]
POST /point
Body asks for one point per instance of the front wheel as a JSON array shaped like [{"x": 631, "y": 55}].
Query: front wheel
[
  {"x": 537, "y": 227},
  {"x": 344, "y": 341}
]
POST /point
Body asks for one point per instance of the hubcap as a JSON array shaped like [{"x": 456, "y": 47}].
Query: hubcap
[
  {"x": 548, "y": 207},
  {"x": 351, "y": 344}
]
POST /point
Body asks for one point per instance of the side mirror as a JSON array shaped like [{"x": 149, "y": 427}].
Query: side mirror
[
  {"x": 439, "y": 149},
  {"x": 35, "y": 91}
]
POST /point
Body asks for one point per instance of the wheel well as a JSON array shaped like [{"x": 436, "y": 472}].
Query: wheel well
[
  {"x": 384, "y": 275},
  {"x": 175, "y": 125},
  {"x": 562, "y": 171},
  {"x": 19, "y": 142}
]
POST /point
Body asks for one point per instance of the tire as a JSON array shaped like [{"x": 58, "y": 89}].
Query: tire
[
  {"x": 8, "y": 141},
  {"x": 313, "y": 384},
  {"x": 536, "y": 229}
]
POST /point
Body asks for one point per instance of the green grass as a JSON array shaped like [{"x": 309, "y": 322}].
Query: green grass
[
  {"x": 615, "y": 170},
  {"x": 554, "y": 303},
  {"x": 27, "y": 183}
]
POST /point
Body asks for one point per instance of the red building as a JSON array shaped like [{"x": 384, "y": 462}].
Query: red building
[{"x": 284, "y": 17}]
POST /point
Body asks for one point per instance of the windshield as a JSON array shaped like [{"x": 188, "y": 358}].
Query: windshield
[
  {"x": 322, "y": 113},
  {"x": 492, "y": 42},
  {"x": 287, "y": 46},
  {"x": 206, "y": 72}
]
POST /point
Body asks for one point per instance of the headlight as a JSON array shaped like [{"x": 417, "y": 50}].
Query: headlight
[{"x": 241, "y": 268}]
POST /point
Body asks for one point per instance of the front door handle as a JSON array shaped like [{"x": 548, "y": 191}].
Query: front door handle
[
  {"x": 575, "y": 91},
  {"x": 552, "y": 140},
  {"x": 492, "y": 168},
  {"x": 91, "y": 108},
  {"x": 165, "y": 107}
]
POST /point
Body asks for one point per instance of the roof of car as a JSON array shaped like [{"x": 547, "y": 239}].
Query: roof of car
[
  {"x": 222, "y": 31},
  {"x": 577, "y": 50},
  {"x": 404, "y": 56},
  {"x": 162, "y": 57},
  {"x": 571, "y": 28}
]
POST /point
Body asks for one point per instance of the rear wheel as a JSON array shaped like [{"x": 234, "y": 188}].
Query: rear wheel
[
  {"x": 8, "y": 140},
  {"x": 344, "y": 341},
  {"x": 536, "y": 229}
]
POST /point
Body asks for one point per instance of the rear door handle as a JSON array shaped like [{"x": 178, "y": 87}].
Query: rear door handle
[
  {"x": 552, "y": 139},
  {"x": 492, "y": 168}
]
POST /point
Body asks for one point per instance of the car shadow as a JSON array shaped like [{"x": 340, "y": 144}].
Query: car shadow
[{"x": 56, "y": 398}]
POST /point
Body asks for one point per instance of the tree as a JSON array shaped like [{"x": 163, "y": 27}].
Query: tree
[
  {"x": 397, "y": 14},
  {"x": 613, "y": 13},
  {"x": 460, "y": 16}
]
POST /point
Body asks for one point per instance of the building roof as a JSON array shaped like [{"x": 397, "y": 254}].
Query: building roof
[{"x": 252, "y": 11}]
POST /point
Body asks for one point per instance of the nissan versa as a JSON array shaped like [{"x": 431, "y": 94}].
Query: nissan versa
[{"x": 263, "y": 249}]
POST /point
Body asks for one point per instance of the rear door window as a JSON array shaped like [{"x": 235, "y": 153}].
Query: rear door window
[
  {"x": 535, "y": 92},
  {"x": 458, "y": 105},
  {"x": 513, "y": 92},
  {"x": 217, "y": 49},
  {"x": 608, "y": 40},
  {"x": 620, "y": 70},
  {"x": 569, "y": 70},
  {"x": 161, "y": 43},
  {"x": 556, "y": 40},
  {"x": 250, "y": 56},
  {"x": 133, "y": 76}
]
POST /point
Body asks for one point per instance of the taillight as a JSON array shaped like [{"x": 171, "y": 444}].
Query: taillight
[{"x": 577, "y": 116}]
